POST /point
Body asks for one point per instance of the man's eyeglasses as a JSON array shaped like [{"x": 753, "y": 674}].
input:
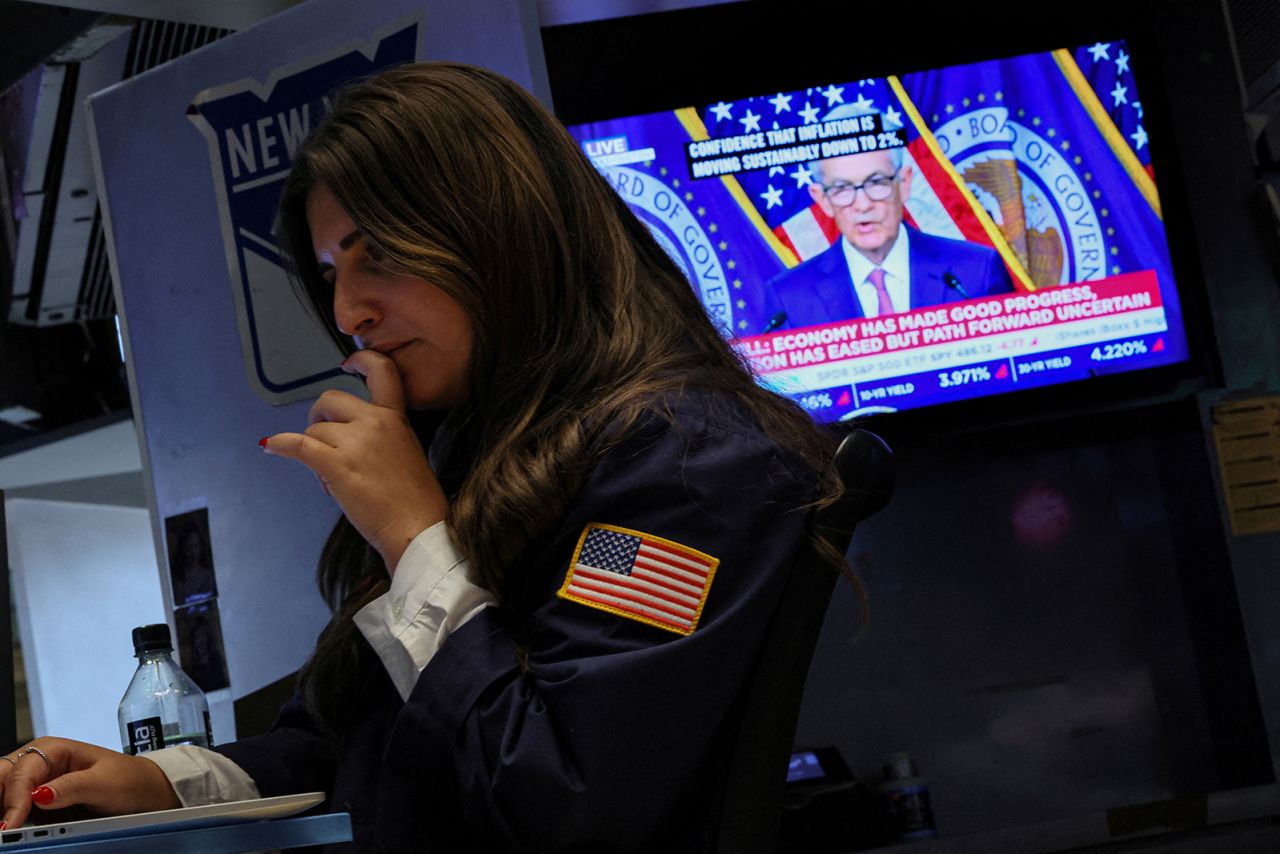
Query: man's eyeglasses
[{"x": 877, "y": 187}]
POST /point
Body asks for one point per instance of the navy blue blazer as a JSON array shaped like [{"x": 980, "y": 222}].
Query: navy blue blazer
[
  {"x": 557, "y": 727},
  {"x": 821, "y": 290}
]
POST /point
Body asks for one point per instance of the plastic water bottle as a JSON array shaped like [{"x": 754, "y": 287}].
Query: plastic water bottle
[
  {"x": 162, "y": 706},
  {"x": 907, "y": 799}
]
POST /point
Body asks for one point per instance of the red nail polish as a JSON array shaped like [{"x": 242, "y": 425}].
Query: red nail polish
[
  {"x": 3, "y": 825},
  {"x": 43, "y": 795},
  {"x": 263, "y": 441}
]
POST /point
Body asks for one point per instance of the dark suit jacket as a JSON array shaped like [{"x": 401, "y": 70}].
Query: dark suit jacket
[
  {"x": 820, "y": 290},
  {"x": 604, "y": 734}
]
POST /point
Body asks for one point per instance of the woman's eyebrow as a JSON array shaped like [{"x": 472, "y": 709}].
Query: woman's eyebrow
[{"x": 344, "y": 244}]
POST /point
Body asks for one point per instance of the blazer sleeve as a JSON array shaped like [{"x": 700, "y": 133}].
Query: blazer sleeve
[
  {"x": 294, "y": 756},
  {"x": 600, "y": 727}
]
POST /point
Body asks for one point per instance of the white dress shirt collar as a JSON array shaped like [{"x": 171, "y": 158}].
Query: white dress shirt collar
[{"x": 897, "y": 274}]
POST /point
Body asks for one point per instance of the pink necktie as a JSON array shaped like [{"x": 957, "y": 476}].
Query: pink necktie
[{"x": 884, "y": 305}]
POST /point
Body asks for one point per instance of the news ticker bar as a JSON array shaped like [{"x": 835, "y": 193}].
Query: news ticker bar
[
  {"x": 985, "y": 377},
  {"x": 958, "y": 354}
]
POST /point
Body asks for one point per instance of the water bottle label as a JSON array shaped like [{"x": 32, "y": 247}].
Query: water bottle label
[
  {"x": 910, "y": 812},
  {"x": 146, "y": 734}
]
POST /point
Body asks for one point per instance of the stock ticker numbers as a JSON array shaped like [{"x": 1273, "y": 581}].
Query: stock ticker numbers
[
  {"x": 1119, "y": 350},
  {"x": 947, "y": 383},
  {"x": 825, "y": 403},
  {"x": 963, "y": 376},
  {"x": 920, "y": 389},
  {"x": 816, "y": 402},
  {"x": 986, "y": 372}
]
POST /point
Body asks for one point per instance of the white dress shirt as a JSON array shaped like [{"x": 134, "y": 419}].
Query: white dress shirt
[
  {"x": 897, "y": 275},
  {"x": 430, "y": 597}
]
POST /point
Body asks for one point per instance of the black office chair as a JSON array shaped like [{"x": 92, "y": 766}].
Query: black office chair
[{"x": 754, "y": 779}]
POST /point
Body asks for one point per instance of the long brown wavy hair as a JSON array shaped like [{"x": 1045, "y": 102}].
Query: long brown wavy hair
[{"x": 458, "y": 176}]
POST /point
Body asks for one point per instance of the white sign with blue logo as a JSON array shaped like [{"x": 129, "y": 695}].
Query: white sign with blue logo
[{"x": 253, "y": 129}]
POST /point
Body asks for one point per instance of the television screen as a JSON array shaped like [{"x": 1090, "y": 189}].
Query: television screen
[{"x": 879, "y": 244}]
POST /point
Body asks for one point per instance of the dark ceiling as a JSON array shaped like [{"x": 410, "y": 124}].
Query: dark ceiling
[{"x": 32, "y": 31}]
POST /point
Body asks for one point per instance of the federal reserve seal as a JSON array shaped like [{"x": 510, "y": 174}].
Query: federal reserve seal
[{"x": 1025, "y": 178}]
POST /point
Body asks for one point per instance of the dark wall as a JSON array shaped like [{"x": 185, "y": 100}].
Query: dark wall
[{"x": 1053, "y": 629}]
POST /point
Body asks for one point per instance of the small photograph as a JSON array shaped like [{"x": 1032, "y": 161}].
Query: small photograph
[
  {"x": 200, "y": 648},
  {"x": 190, "y": 557}
]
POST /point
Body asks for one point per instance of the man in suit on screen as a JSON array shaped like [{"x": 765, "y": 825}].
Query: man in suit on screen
[{"x": 880, "y": 265}]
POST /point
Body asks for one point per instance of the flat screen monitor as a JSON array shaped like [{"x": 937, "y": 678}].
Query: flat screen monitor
[{"x": 894, "y": 242}]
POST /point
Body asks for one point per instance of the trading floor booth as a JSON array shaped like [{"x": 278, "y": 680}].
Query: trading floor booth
[{"x": 1065, "y": 610}]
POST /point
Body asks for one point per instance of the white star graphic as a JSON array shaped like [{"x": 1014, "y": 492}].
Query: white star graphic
[
  {"x": 1100, "y": 51},
  {"x": 775, "y": 170},
  {"x": 866, "y": 81},
  {"x": 750, "y": 122},
  {"x": 1119, "y": 94},
  {"x": 864, "y": 103},
  {"x": 1137, "y": 105},
  {"x": 723, "y": 111},
  {"x": 834, "y": 95},
  {"x": 802, "y": 176},
  {"x": 773, "y": 196},
  {"x": 1139, "y": 138},
  {"x": 1122, "y": 62},
  {"x": 892, "y": 119},
  {"x": 781, "y": 103},
  {"x": 810, "y": 113}
]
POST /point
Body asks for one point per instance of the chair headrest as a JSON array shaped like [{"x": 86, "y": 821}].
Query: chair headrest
[{"x": 867, "y": 468}]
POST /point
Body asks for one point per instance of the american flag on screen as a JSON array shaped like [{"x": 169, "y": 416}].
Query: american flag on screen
[{"x": 640, "y": 576}]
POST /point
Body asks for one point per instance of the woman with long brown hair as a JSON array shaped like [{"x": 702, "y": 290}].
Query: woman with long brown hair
[{"x": 568, "y": 506}]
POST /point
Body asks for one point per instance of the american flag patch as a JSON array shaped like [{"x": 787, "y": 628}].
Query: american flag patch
[{"x": 640, "y": 576}]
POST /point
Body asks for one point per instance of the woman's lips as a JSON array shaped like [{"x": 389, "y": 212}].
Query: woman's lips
[{"x": 388, "y": 349}]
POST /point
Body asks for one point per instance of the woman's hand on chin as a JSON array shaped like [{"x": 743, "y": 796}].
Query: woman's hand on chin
[{"x": 368, "y": 458}]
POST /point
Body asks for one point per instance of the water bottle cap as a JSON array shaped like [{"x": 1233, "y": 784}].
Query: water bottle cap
[
  {"x": 153, "y": 637},
  {"x": 900, "y": 766}
]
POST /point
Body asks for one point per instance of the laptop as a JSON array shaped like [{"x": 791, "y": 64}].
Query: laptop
[
  {"x": 33, "y": 837},
  {"x": 164, "y": 821}
]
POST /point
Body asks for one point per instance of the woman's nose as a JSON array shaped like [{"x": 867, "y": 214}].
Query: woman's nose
[{"x": 354, "y": 314}]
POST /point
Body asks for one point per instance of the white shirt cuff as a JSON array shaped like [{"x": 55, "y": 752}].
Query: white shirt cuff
[
  {"x": 430, "y": 597},
  {"x": 200, "y": 776}
]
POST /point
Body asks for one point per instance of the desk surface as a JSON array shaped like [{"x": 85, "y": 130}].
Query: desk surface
[
  {"x": 1236, "y": 821},
  {"x": 281, "y": 833}
]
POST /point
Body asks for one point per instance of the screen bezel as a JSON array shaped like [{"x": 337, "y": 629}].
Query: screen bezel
[{"x": 618, "y": 67}]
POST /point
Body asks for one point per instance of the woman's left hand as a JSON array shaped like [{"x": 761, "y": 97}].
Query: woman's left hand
[{"x": 369, "y": 459}]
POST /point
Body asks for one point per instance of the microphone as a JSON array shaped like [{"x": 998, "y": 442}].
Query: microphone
[
  {"x": 954, "y": 283},
  {"x": 775, "y": 321}
]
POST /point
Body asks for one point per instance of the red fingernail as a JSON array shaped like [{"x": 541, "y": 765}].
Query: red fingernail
[
  {"x": 3, "y": 825},
  {"x": 263, "y": 441},
  {"x": 43, "y": 795}
]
